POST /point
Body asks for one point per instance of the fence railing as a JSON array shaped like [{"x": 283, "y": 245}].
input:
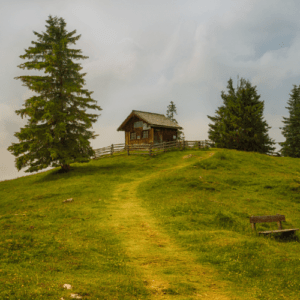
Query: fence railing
[
  {"x": 150, "y": 149},
  {"x": 274, "y": 153}
]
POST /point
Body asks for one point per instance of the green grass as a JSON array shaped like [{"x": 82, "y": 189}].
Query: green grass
[
  {"x": 56, "y": 243},
  {"x": 210, "y": 217}
]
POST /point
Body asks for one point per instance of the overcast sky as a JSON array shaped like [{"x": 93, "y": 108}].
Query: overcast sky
[{"x": 145, "y": 54}]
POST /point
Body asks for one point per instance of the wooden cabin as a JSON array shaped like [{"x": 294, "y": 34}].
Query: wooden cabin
[{"x": 148, "y": 128}]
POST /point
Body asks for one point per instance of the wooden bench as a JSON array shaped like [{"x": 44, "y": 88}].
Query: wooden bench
[{"x": 264, "y": 219}]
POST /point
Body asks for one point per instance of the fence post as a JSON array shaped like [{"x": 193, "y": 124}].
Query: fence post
[
  {"x": 164, "y": 146},
  {"x": 150, "y": 147},
  {"x": 205, "y": 144},
  {"x": 183, "y": 146},
  {"x": 199, "y": 145},
  {"x": 127, "y": 149},
  {"x": 112, "y": 149}
]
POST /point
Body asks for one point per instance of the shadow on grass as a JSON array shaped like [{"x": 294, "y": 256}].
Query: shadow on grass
[{"x": 283, "y": 237}]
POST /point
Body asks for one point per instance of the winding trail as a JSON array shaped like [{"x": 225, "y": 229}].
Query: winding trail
[{"x": 154, "y": 253}]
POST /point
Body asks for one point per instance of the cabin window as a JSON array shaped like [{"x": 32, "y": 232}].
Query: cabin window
[
  {"x": 145, "y": 134},
  {"x": 138, "y": 124},
  {"x": 174, "y": 137},
  {"x": 133, "y": 136},
  {"x": 138, "y": 137},
  {"x": 145, "y": 126}
]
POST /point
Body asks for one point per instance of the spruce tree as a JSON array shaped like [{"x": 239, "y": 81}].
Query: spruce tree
[
  {"x": 215, "y": 131},
  {"x": 221, "y": 132},
  {"x": 291, "y": 131},
  {"x": 239, "y": 123},
  {"x": 170, "y": 114},
  {"x": 61, "y": 139}
]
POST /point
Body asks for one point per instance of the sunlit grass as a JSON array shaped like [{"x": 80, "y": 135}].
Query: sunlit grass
[
  {"x": 45, "y": 243},
  {"x": 207, "y": 209}
]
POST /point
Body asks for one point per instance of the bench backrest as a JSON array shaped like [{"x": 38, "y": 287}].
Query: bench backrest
[{"x": 265, "y": 219}]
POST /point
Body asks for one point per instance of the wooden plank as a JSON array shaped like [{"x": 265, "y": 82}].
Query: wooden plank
[
  {"x": 274, "y": 231},
  {"x": 165, "y": 146},
  {"x": 119, "y": 147},
  {"x": 119, "y": 150},
  {"x": 140, "y": 145},
  {"x": 264, "y": 219},
  {"x": 139, "y": 149},
  {"x": 100, "y": 151},
  {"x": 103, "y": 153}
]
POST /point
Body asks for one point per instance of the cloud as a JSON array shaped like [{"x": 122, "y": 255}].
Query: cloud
[{"x": 119, "y": 61}]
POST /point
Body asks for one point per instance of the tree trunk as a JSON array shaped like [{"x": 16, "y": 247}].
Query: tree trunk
[{"x": 65, "y": 168}]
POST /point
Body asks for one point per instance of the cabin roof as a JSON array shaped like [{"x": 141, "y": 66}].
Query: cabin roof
[{"x": 153, "y": 119}]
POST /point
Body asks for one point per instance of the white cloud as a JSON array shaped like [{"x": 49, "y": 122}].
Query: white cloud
[{"x": 119, "y": 61}]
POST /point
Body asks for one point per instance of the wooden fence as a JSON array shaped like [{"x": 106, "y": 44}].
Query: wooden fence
[
  {"x": 150, "y": 149},
  {"x": 153, "y": 149}
]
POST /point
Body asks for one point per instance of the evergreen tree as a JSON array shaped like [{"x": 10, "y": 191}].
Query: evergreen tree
[
  {"x": 61, "y": 140},
  {"x": 220, "y": 132},
  {"x": 215, "y": 131},
  {"x": 170, "y": 115},
  {"x": 291, "y": 131},
  {"x": 239, "y": 124}
]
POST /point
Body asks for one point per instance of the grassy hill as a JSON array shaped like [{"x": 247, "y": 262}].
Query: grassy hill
[{"x": 159, "y": 227}]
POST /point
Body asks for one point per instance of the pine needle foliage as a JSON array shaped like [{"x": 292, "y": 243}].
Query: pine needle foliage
[
  {"x": 239, "y": 122},
  {"x": 291, "y": 131},
  {"x": 170, "y": 114},
  {"x": 61, "y": 139}
]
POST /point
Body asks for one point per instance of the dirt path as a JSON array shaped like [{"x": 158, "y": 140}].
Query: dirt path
[{"x": 165, "y": 266}]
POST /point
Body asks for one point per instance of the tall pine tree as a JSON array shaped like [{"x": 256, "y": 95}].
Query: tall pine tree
[
  {"x": 61, "y": 140},
  {"x": 239, "y": 123},
  {"x": 291, "y": 131},
  {"x": 170, "y": 114}
]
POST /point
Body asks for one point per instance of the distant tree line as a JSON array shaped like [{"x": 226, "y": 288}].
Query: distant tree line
[{"x": 63, "y": 140}]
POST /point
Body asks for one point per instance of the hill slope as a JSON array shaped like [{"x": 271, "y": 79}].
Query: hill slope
[{"x": 159, "y": 227}]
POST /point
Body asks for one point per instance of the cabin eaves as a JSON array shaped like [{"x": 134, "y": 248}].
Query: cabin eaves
[{"x": 153, "y": 120}]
